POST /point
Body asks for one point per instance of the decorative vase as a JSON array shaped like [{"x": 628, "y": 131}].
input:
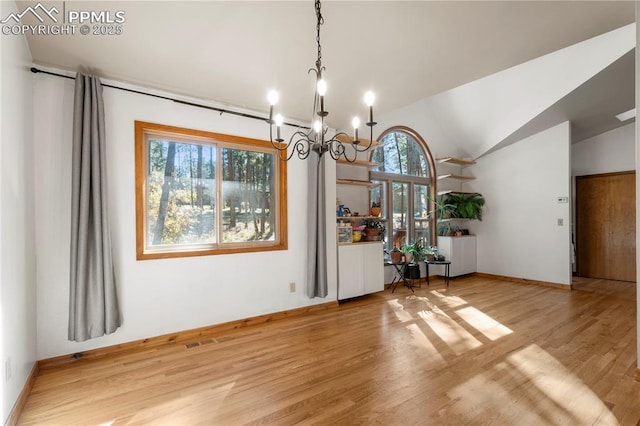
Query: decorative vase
[{"x": 374, "y": 211}]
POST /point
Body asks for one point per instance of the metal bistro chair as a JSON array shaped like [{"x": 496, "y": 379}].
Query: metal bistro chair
[{"x": 400, "y": 269}]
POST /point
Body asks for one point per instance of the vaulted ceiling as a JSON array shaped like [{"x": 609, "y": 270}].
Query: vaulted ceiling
[{"x": 235, "y": 51}]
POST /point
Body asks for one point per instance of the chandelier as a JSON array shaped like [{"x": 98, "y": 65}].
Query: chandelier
[{"x": 315, "y": 139}]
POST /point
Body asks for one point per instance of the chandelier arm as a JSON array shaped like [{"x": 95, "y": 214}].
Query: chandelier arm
[
  {"x": 302, "y": 151},
  {"x": 341, "y": 149},
  {"x": 279, "y": 145},
  {"x": 282, "y": 146},
  {"x": 337, "y": 149},
  {"x": 302, "y": 146},
  {"x": 358, "y": 148}
]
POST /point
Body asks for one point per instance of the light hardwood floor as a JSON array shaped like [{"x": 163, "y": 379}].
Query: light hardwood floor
[{"x": 482, "y": 352}]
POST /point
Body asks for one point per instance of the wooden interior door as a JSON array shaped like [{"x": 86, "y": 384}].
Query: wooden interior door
[{"x": 606, "y": 226}]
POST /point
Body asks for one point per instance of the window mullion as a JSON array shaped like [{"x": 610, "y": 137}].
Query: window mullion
[
  {"x": 218, "y": 194},
  {"x": 411, "y": 219}
]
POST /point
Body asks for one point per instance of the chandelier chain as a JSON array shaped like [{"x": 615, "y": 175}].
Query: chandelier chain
[{"x": 320, "y": 21}]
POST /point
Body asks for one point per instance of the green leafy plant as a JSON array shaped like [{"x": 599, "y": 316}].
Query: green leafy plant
[
  {"x": 442, "y": 209},
  {"x": 417, "y": 249},
  {"x": 466, "y": 206},
  {"x": 375, "y": 204}
]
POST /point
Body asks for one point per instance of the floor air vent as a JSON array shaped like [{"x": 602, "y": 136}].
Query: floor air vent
[{"x": 196, "y": 344}]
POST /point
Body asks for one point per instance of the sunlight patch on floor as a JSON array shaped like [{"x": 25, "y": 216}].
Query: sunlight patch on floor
[
  {"x": 560, "y": 385},
  {"x": 454, "y": 335},
  {"x": 482, "y": 322},
  {"x": 530, "y": 387},
  {"x": 399, "y": 311},
  {"x": 487, "y": 399},
  {"x": 450, "y": 301},
  {"x": 422, "y": 299},
  {"x": 419, "y": 340}
]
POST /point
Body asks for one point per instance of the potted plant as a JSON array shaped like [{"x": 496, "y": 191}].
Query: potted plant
[
  {"x": 373, "y": 230},
  {"x": 416, "y": 251},
  {"x": 443, "y": 211},
  {"x": 375, "y": 209},
  {"x": 414, "y": 254},
  {"x": 442, "y": 208},
  {"x": 395, "y": 255},
  {"x": 408, "y": 255},
  {"x": 466, "y": 206}
]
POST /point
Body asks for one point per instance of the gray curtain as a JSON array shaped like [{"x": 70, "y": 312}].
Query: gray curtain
[
  {"x": 93, "y": 303},
  {"x": 317, "y": 241}
]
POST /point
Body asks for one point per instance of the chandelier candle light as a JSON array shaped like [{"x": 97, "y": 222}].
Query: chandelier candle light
[{"x": 302, "y": 142}]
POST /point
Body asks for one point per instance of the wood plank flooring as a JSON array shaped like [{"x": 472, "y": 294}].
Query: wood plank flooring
[{"x": 483, "y": 351}]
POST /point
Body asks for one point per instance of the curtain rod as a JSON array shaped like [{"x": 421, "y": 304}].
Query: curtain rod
[{"x": 220, "y": 110}]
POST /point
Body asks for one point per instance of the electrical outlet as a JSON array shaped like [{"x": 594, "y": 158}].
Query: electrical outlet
[
  {"x": 292, "y": 287},
  {"x": 560, "y": 222},
  {"x": 7, "y": 369}
]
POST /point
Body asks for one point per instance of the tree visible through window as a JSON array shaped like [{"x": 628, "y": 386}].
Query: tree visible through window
[
  {"x": 180, "y": 193},
  {"x": 407, "y": 182},
  {"x": 206, "y": 193}
]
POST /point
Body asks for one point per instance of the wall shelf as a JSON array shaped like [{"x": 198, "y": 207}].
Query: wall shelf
[
  {"x": 358, "y": 163},
  {"x": 453, "y": 191},
  {"x": 363, "y": 142},
  {"x": 454, "y": 176},
  {"x": 454, "y": 160},
  {"x": 380, "y": 219},
  {"x": 356, "y": 182}
]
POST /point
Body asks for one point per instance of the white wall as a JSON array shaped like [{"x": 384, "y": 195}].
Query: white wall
[
  {"x": 17, "y": 260},
  {"x": 156, "y": 296},
  {"x": 519, "y": 236},
  {"x": 485, "y": 112},
  {"x": 612, "y": 151}
]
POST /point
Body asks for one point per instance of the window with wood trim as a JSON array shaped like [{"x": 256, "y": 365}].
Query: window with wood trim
[
  {"x": 202, "y": 193},
  {"x": 407, "y": 183}
]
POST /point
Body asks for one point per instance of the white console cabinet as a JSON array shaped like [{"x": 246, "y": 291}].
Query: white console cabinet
[
  {"x": 461, "y": 251},
  {"x": 360, "y": 269}
]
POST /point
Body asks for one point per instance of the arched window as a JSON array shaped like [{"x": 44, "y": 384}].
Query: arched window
[{"x": 406, "y": 178}]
